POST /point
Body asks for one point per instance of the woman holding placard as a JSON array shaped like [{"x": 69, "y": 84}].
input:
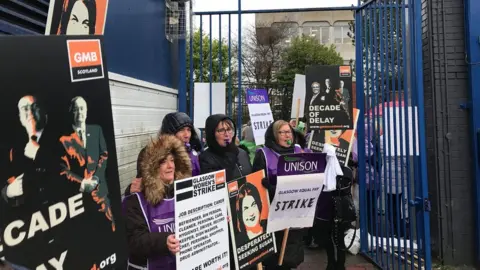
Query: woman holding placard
[
  {"x": 150, "y": 214},
  {"x": 222, "y": 152},
  {"x": 280, "y": 140}
]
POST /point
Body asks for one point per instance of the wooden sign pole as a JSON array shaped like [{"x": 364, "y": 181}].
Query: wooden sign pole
[
  {"x": 298, "y": 112},
  {"x": 284, "y": 245}
]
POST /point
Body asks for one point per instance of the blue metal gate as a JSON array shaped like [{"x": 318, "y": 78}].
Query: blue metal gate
[{"x": 394, "y": 206}]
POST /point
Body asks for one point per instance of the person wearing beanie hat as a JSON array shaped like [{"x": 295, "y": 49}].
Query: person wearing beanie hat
[{"x": 181, "y": 126}]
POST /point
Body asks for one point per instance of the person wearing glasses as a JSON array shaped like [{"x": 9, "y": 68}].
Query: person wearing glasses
[
  {"x": 280, "y": 139},
  {"x": 222, "y": 152}
]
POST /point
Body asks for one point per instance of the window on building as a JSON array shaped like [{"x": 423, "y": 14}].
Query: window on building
[
  {"x": 340, "y": 33},
  {"x": 318, "y": 30}
]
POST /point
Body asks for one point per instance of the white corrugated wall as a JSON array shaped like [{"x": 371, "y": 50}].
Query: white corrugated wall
[{"x": 138, "y": 109}]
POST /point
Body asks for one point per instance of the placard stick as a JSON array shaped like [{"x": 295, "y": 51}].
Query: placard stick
[
  {"x": 284, "y": 245},
  {"x": 260, "y": 266},
  {"x": 298, "y": 112}
]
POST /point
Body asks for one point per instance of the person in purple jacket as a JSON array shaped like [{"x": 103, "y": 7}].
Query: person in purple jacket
[
  {"x": 280, "y": 139},
  {"x": 150, "y": 214},
  {"x": 180, "y": 125}
]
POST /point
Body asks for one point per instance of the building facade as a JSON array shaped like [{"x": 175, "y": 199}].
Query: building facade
[
  {"x": 144, "y": 67},
  {"x": 328, "y": 27}
]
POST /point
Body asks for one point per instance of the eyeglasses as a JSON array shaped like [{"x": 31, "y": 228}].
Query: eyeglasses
[
  {"x": 283, "y": 133},
  {"x": 225, "y": 131}
]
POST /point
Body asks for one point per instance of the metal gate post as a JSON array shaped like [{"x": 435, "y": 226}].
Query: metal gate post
[
  {"x": 361, "y": 127},
  {"x": 421, "y": 128},
  {"x": 240, "y": 92},
  {"x": 472, "y": 43}
]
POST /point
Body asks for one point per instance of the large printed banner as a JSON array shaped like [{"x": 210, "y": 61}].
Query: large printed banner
[
  {"x": 300, "y": 180},
  {"x": 260, "y": 113},
  {"x": 249, "y": 210},
  {"x": 201, "y": 222},
  {"x": 76, "y": 17},
  {"x": 342, "y": 140},
  {"x": 328, "y": 98},
  {"x": 60, "y": 205}
]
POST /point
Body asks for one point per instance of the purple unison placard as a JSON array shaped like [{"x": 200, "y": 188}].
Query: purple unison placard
[
  {"x": 304, "y": 163},
  {"x": 256, "y": 96}
]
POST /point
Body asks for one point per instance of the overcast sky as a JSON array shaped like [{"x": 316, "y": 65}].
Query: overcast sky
[{"x": 248, "y": 20}]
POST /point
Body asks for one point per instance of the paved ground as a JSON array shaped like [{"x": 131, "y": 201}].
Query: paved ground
[{"x": 317, "y": 259}]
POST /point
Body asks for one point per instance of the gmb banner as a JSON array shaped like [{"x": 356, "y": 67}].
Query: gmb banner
[
  {"x": 249, "y": 209},
  {"x": 201, "y": 222},
  {"x": 300, "y": 180},
  {"x": 58, "y": 156},
  {"x": 260, "y": 113}
]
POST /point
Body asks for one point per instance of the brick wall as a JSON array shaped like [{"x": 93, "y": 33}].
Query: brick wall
[{"x": 448, "y": 137}]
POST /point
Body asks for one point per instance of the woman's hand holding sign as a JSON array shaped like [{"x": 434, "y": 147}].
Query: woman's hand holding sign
[{"x": 173, "y": 244}]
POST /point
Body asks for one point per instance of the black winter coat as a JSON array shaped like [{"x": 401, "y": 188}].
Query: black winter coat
[{"x": 234, "y": 160}]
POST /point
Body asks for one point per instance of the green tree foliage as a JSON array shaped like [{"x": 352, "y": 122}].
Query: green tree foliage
[
  {"x": 303, "y": 52},
  {"x": 219, "y": 56},
  {"x": 220, "y": 63}
]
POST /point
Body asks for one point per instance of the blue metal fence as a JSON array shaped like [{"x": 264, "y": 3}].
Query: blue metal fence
[{"x": 394, "y": 206}]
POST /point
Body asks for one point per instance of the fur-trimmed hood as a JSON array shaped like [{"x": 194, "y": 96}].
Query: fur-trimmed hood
[{"x": 155, "y": 152}]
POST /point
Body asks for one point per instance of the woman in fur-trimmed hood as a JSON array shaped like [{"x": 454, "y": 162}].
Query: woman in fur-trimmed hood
[{"x": 150, "y": 214}]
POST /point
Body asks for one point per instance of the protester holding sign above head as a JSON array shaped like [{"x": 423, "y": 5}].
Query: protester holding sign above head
[
  {"x": 180, "y": 125},
  {"x": 280, "y": 140},
  {"x": 150, "y": 214}
]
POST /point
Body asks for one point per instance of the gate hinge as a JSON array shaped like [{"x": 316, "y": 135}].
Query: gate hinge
[
  {"x": 466, "y": 106},
  {"x": 423, "y": 203}
]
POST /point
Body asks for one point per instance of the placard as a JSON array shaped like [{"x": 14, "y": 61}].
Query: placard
[
  {"x": 249, "y": 210},
  {"x": 328, "y": 98},
  {"x": 201, "y": 100},
  {"x": 76, "y": 17},
  {"x": 60, "y": 205},
  {"x": 260, "y": 113},
  {"x": 300, "y": 180},
  {"x": 340, "y": 139},
  {"x": 201, "y": 222},
  {"x": 298, "y": 93},
  {"x": 401, "y": 126}
]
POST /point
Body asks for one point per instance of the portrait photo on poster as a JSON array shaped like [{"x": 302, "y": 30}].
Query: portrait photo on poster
[
  {"x": 59, "y": 192},
  {"x": 76, "y": 17},
  {"x": 328, "y": 97},
  {"x": 249, "y": 208}
]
